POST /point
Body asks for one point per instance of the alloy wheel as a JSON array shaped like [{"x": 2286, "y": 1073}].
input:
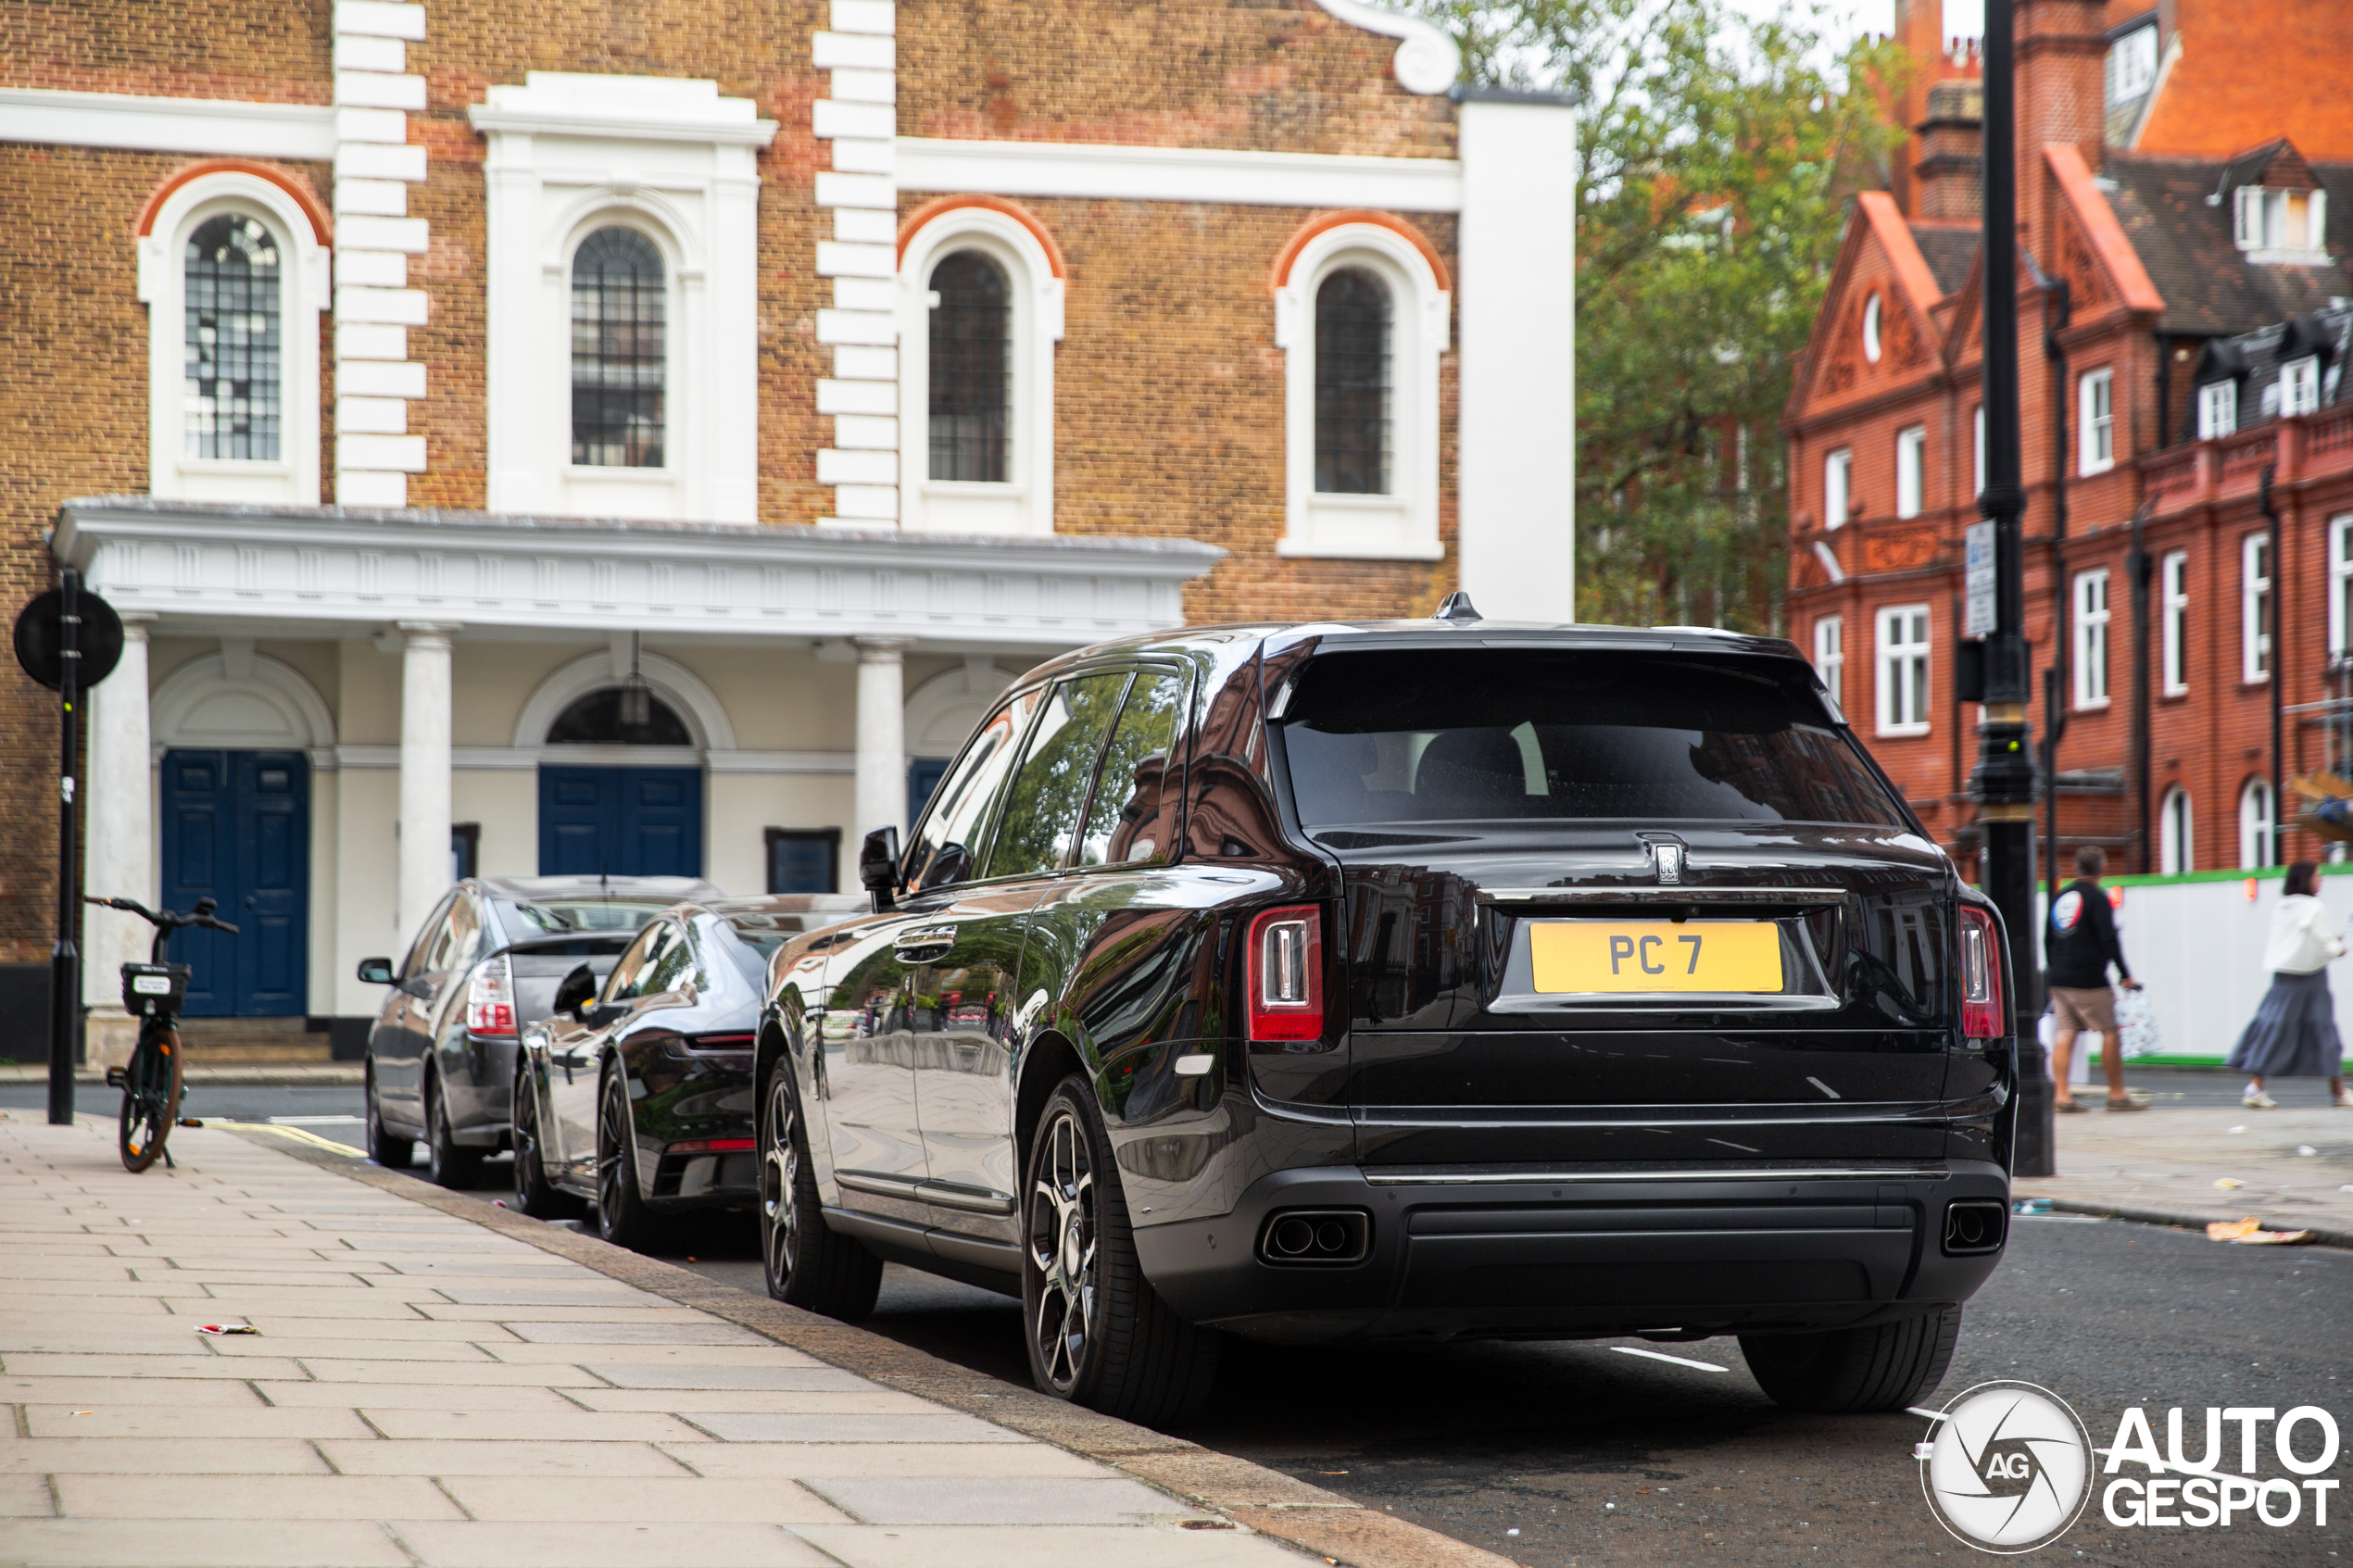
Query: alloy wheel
[
  {"x": 613, "y": 1165},
  {"x": 1061, "y": 1242},
  {"x": 779, "y": 1178}
]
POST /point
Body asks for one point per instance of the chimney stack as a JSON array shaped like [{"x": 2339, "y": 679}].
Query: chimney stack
[
  {"x": 2062, "y": 83},
  {"x": 1950, "y": 177}
]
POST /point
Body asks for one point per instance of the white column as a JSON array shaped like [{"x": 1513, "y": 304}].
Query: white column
[
  {"x": 119, "y": 861},
  {"x": 1517, "y": 314},
  {"x": 860, "y": 117},
  {"x": 424, "y": 774},
  {"x": 881, "y": 792}
]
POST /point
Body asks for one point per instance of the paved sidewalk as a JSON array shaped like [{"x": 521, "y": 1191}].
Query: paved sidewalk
[
  {"x": 426, "y": 1391},
  {"x": 2162, "y": 1166}
]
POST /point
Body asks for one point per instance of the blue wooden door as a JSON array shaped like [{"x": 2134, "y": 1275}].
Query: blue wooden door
[
  {"x": 620, "y": 822},
  {"x": 236, "y": 826}
]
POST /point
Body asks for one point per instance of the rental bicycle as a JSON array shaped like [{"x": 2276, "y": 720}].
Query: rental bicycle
[{"x": 154, "y": 993}]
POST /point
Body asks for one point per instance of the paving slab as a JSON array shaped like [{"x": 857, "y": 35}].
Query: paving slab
[
  {"x": 2164, "y": 1165},
  {"x": 438, "y": 1381}
]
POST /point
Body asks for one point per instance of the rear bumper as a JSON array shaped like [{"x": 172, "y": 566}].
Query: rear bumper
[{"x": 1462, "y": 1254}]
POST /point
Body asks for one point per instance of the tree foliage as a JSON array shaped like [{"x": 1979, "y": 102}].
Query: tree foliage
[{"x": 1717, "y": 159}]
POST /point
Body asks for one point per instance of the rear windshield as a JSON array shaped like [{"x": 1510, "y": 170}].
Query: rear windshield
[
  {"x": 1478, "y": 734},
  {"x": 563, "y": 917}
]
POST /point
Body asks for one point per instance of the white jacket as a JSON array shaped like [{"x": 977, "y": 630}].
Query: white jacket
[{"x": 2300, "y": 942}]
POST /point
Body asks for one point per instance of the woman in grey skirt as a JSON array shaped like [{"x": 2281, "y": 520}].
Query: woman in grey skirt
[{"x": 2294, "y": 1032}]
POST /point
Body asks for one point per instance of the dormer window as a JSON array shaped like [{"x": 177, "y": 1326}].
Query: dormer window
[
  {"x": 2132, "y": 65},
  {"x": 2218, "y": 409},
  {"x": 2282, "y": 226},
  {"x": 2299, "y": 386}
]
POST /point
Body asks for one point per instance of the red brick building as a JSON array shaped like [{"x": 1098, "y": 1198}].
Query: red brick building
[
  {"x": 416, "y": 377},
  {"x": 2184, "y": 315}
]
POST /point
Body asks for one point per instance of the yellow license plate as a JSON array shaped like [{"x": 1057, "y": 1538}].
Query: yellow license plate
[{"x": 1655, "y": 955}]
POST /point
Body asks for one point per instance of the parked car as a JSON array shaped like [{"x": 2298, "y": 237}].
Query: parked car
[
  {"x": 1415, "y": 980},
  {"x": 441, "y": 1056},
  {"x": 635, "y": 1091}
]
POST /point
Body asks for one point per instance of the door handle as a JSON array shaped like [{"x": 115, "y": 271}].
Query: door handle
[{"x": 925, "y": 942}]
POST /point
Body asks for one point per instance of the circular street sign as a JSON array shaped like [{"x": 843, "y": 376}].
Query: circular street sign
[{"x": 41, "y": 640}]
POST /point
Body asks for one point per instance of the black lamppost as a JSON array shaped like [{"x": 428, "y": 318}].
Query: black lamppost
[{"x": 2004, "y": 781}]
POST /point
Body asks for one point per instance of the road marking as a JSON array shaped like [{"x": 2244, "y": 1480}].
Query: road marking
[
  {"x": 1663, "y": 1356},
  {"x": 1932, "y": 1415},
  {"x": 312, "y": 1138},
  {"x": 314, "y": 1121}
]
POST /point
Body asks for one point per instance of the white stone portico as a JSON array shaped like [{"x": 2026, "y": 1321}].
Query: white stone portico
[{"x": 414, "y": 662}]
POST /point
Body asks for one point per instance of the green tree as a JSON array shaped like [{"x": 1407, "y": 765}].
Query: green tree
[{"x": 1717, "y": 161}]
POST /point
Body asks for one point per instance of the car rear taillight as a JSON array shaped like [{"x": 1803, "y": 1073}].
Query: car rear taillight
[
  {"x": 718, "y": 1042},
  {"x": 490, "y": 998},
  {"x": 1287, "y": 974},
  {"x": 1983, "y": 1016},
  {"x": 711, "y": 1146}
]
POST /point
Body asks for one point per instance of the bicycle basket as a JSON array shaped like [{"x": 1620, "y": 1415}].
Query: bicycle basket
[{"x": 151, "y": 988}]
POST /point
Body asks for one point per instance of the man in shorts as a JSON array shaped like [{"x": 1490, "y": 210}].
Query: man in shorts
[{"x": 2081, "y": 942}]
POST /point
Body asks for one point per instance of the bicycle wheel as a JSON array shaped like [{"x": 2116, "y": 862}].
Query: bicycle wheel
[{"x": 150, "y": 1097}]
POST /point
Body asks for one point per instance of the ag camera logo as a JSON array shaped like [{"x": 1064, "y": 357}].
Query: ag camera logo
[{"x": 2009, "y": 1469}]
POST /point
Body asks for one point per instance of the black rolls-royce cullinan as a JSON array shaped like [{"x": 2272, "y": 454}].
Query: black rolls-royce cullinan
[{"x": 1433, "y": 979}]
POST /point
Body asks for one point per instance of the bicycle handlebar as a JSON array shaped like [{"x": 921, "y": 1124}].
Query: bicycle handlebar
[{"x": 165, "y": 919}]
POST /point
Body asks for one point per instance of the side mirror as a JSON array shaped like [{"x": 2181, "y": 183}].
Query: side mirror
[
  {"x": 376, "y": 972},
  {"x": 575, "y": 991},
  {"x": 878, "y": 866}
]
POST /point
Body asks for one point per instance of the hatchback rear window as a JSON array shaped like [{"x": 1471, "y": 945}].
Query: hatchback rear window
[
  {"x": 563, "y": 917},
  {"x": 1569, "y": 734}
]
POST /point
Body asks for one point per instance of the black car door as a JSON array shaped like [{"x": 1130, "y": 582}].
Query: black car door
[{"x": 404, "y": 1027}]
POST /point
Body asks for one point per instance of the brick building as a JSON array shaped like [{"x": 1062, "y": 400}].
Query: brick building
[
  {"x": 2184, "y": 284},
  {"x": 528, "y": 436}
]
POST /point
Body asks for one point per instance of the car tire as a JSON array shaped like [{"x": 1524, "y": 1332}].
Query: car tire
[
  {"x": 622, "y": 1216},
  {"x": 808, "y": 1262},
  {"x": 391, "y": 1152},
  {"x": 535, "y": 1194},
  {"x": 1098, "y": 1334},
  {"x": 448, "y": 1163},
  {"x": 1850, "y": 1370}
]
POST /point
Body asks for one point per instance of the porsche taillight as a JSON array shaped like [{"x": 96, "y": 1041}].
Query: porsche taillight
[
  {"x": 1287, "y": 974},
  {"x": 1983, "y": 1016}
]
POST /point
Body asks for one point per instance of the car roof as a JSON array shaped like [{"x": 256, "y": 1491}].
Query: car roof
[{"x": 630, "y": 889}]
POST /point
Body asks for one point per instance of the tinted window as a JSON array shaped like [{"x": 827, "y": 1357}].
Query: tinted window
[
  {"x": 636, "y": 973},
  {"x": 949, "y": 838},
  {"x": 562, "y": 917},
  {"x": 1448, "y": 736},
  {"x": 1125, "y": 823},
  {"x": 1042, "y": 808},
  {"x": 420, "y": 958}
]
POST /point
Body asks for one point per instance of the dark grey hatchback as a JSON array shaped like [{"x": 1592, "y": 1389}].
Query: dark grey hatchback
[{"x": 1407, "y": 979}]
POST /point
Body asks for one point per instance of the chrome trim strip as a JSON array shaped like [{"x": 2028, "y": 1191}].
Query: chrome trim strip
[
  {"x": 947, "y": 1195},
  {"x": 867, "y": 1181},
  {"x": 1539, "y": 1178},
  {"x": 1680, "y": 894}
]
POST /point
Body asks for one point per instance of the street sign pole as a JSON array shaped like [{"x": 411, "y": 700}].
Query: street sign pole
[
  {"x": 65, "y": 961},
  {"x": 2003, "y": 784}
]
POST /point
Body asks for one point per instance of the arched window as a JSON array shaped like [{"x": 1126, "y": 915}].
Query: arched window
[
  {"x": 970, "y": 368},
  {"x": 620, "y": 303},
  {"x": 1351, "y": 384},
  {"x": 2256, "y": 846},
  {"x": 609, "y": 716},
  {"x": 2176, "y": 847},
  {"x": 229, "y": 301}
]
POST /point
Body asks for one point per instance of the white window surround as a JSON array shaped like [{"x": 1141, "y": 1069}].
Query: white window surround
[
  {"x": 2255, "y": 608},
  {"x": 2268, "y": 222},
  {"x": 1837, "y": 476},
  {"x": 2256, "y": 839},
  {"x": 1830, "y": 655},
  {"x": 2218, "y": 409},
  {"x": 1023, "y": 503},
  {"x": 293, "y": 478},
  {"x": 1903, "y": 642},
  {"x": 2096, "y": 421},
  {"x": 2174, "y": 585},
  {"x": 2177, "y": 842},
  {"x": 572, "y": 154},
  {"x": 2300, "y": 386},
  {"x": 1911, "y": 469},
  {"x": 2340, "y": 583},
  {"x": 2091, "y": 640},
  {"x": 1402, "y": 525}
]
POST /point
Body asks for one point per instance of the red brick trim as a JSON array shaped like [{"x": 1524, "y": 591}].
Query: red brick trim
[
  {"x": 1014, "y": 211},
  {"x": 2091, "y": 210},
  {"x": 285, "y": 180},
  {"x": 1330, "y": 221}
]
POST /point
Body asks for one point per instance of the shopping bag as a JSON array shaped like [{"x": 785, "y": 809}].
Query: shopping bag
[{"x": 2136, "y": 1022}]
